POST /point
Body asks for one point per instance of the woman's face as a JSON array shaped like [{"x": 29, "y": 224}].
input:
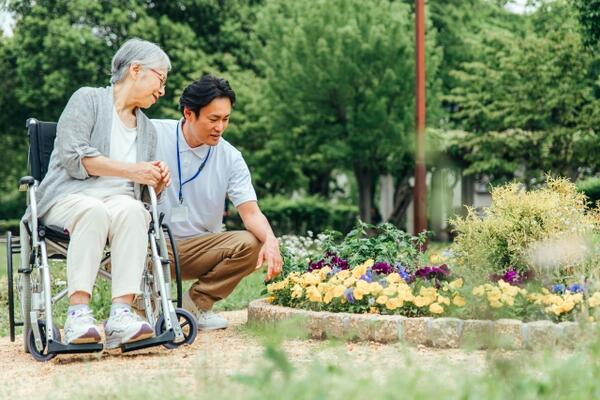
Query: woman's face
[{"x": 149, "y": 86}]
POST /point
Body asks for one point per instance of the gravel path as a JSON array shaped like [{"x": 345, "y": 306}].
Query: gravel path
[{"x": 231, "y": 351}]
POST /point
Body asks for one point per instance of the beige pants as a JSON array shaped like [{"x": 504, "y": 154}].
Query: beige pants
[
  {"x": 121, "y": 220},
  {"x": 218, "y": 262}
]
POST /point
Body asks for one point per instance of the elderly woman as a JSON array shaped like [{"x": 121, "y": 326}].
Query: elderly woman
[{"x": 103, "y": 155}]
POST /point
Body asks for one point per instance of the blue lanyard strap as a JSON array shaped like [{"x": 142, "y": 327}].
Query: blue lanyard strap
[{"x": 200, "y": 168}]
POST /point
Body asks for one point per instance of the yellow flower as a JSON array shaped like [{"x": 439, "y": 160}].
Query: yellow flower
[
  {"x": 435, "y": 308},
  {"x": 270, "y": 299},
  {"x": 459, "y": 301},
  {"x": 358, "y": 293},
  {"x": 310, "y": 279},
  {"x": 297, "y": 291},
  {"x": 390, "y": 291},
  {"x": 394, "y": 277},
  {"x": 375, "y": 288},
  {"x": 435, "y": 259},
  {"x": 369, "y": 263},
  {"x": 338, "y": 290},
  {"x": 443, "y": 300},
  {"x": 359, "y": 271},
  {"x": 495, "y": 304},
  {"x": 478, "y": 291},
  {"x": 421, "y": 301},
  {"x": 349, "y": 281},
  {"x": 394, "y": 303},
  {"x": 323, "y": 272},
  {"x": 381, "y": 300},
  {"x": 456, "y": 284},
  {"x": 344, "y": 274},
  {"x": 313, "y": 294},
  {"x": 594, "y": 301},
  {"x": 373, "y": 310}
]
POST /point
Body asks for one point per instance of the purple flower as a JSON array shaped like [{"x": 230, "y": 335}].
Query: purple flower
[
  {"x": 349, "y": 294},
  {"x": 513, "y": 277},
  {"x": 382, "y": 268},
  {"x": 576, "y": 288},
  {"x": 404, "y": 274},
  {"x": 559, "y": 288},
  {"x": 331, "y": 260},
  {"x": 439, "y": 272},
  {"x": 368, "y": 276}
]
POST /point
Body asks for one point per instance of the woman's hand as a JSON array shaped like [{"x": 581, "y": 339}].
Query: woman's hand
[
  {"x": 165, "y": 176},
  {"x": 145, "y": 173}
]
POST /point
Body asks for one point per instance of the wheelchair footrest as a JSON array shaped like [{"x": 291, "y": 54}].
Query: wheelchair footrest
[
  {"x": 166, "y": 337},
  {"x": 62, "y": 348}
]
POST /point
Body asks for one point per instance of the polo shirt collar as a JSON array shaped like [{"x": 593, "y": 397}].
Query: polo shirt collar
[{"x": 184, "y": 146}]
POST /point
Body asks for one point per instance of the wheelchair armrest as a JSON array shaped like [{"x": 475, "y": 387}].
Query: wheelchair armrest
[{"x": 25, "y": 182}]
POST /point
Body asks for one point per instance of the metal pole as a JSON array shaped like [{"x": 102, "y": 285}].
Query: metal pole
[{"x": 420, "y": 190}]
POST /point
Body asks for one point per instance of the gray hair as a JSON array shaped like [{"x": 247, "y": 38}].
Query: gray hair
[{"x": 138, "y": 51}]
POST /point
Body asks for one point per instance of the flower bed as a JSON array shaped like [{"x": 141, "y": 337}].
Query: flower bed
[{"x": 525, "y": 269}]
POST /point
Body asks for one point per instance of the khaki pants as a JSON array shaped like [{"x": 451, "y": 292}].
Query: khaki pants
[
  {"x": 90, "y": 221},
  {"x": 218, "y": 262}
]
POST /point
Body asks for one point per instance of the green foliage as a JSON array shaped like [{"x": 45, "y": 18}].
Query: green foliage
[
  {"x": 530, "y": 101},
  {"x": 297, "y": 216},
  {"x": 516, "y": 223},
  {"x": 383, "y": 242},
  {"x": 348, "y": 102},
  {"x": 589, "y": 18},
  {"x": 591, "y": 188}
]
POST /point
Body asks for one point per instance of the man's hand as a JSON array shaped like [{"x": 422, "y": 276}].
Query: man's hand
[
  {"x": 165, "y": 176},
  {"x": 269, "y": 252}
]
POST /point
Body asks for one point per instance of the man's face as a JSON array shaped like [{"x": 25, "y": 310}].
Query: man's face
[{"x": 211, "y": 122}]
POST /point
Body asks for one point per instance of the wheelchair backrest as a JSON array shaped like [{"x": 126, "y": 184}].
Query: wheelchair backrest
[{"x": 41, "y": 142}]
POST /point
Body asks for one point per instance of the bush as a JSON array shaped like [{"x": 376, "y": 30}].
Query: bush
[
  {"x": 541, "y": 231},
  {"x": 591, "y": 188},
  {"x": 297, "y": 216}
]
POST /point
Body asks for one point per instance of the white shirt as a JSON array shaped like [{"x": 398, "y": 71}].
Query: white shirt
[
  {"x": 224, "y": 174},
  {"x": 123, "y": 147}
]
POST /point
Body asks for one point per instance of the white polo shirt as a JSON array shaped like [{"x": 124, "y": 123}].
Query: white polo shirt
[{"x": 224, "y": 174}]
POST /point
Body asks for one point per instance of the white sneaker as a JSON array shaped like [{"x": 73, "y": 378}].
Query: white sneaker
[
  {"x": 125, "y": 326},
  {"x": 207, "y": 320},
  {"x": 80, "y": 327}
]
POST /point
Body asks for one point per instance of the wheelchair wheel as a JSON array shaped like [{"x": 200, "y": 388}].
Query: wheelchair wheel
[
  {"x": 11, "y": 294},
  {"x": 35, "y": 353},
  {"x": 188, "y": 324}
]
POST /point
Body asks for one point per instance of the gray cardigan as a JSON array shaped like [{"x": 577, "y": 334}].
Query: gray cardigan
[{"x": 84, "y": 130}]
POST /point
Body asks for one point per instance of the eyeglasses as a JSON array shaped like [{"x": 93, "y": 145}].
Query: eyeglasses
[{"x": 161, "y": 77}]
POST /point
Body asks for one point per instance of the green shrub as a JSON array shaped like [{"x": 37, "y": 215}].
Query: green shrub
[
  {"x": 591, "y": 188},
  {"x": 544, "y": 230},
  {"x": 297, "y": 216}
]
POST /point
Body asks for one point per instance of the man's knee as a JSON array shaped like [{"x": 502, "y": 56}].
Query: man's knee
[{"x": 248, "y": 242}]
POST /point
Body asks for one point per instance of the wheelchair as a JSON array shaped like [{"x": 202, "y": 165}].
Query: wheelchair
[{"x": 38, "y": 243}]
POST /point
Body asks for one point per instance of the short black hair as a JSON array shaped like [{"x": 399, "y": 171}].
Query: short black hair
[{"x": 201, "y": 92}]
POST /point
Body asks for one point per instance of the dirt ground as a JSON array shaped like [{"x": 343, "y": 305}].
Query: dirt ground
[{"x": 226, "y": 352}]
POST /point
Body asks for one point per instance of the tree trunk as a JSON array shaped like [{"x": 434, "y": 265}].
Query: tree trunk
[
  {"x": 402, "y": 199},
  {"x": 364, "y": 179},
  {"x": 318, "y": 183}
]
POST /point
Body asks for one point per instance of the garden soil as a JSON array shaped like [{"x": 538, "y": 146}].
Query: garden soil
[{"x": 236, "y": 350}]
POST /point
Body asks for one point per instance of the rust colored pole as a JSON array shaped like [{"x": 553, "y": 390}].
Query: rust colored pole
[{"x": 420, "y": 190}]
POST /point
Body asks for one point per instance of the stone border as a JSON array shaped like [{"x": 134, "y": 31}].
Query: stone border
[{"x": 433, "y": 332}]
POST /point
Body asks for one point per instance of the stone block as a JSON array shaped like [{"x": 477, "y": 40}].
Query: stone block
[
  {"x": 445, "y": 332},
  {"x": 476, "y": 334},
  {"x": 359, "y": 326},
  {"x": 386, "y": 328},
  {"x": 414, "y": 330},
  {"x": 508, "y": 333},
  {"x": 542, "y": 335}
]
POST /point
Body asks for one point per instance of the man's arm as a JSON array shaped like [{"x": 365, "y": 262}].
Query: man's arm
[{"x": 255, "y": 222}]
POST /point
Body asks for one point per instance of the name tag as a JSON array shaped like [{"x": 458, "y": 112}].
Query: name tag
[{"x": 179, "y": 214}]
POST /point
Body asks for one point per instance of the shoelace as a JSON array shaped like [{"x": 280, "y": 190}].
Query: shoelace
[
  {"x": 84, "y": 316},
  {"x": 125, "y": 316}
]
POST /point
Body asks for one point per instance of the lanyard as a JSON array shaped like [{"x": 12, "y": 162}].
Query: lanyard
[{"x": 200, "y": 168}]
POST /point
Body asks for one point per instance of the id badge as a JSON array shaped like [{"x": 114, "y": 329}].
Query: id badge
[{"x": 179, "y": 214}]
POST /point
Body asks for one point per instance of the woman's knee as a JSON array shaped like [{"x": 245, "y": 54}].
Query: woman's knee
[
  {"x": 91, "y": 211},
  {"x": 131, "y": 212}
]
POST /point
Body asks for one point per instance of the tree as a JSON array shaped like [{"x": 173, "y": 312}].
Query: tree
[
  {"x": 530, "y": 102},
  {"x": 340, "y": 85}
]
